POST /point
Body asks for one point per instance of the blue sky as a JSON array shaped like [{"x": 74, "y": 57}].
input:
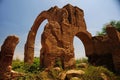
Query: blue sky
[{"x": 17, "y": 17}]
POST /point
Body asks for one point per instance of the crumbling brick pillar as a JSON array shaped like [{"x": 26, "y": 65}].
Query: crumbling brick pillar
[{"x": 6, "y": 56}]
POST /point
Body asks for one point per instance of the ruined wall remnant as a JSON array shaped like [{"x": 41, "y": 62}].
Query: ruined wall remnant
[
  {"x": 107, "y": 50},
  {"x": 114, "y": 37},
  {"x": 6, "y": 55},
  {"x": 57, "y": 38},
  {"x": 57, "y": 43}
]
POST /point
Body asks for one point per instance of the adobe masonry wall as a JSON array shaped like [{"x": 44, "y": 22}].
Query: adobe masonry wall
[
  {"x": 57, "y": 40},
  {"x": 6, "y": 56}
]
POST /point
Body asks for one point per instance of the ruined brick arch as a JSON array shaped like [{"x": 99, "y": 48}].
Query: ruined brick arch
[
  {"x": 57, "y": 38},
  {"x": 57, "y": 42},
  {"x": 86, "y": 39},
  {"x": 29, "y": 46}
]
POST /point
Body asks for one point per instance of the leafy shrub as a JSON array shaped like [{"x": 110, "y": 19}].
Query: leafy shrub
[
  {"x": 33, "y": 72},
  {"x": 58, "y": 63},
  {"x": 94, "y": 73},
  {"x": 18, "y": 65},
  {"x": 34, "y": 68}
]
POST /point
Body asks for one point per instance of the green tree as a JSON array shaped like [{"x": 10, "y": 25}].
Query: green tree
[{"x": 114, "y": 23}]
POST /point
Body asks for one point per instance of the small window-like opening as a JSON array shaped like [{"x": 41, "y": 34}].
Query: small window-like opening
[{"x": 58, "y": 62}]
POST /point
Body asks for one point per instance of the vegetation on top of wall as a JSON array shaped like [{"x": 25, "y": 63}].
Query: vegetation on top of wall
[{"x": 114, "y": 23}]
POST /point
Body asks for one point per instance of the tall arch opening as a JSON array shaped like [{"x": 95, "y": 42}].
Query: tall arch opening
[
  {"x": 86, "y": 39},
  {"x": 38, "y": 38},
  {"x": 29, "y": 46},
  {"x": 79, "y": 49}
]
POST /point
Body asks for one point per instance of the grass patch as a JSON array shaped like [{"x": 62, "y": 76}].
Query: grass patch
[
  {"x": 33, "y": 72},
  {"x": 82, "y": 60}
]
